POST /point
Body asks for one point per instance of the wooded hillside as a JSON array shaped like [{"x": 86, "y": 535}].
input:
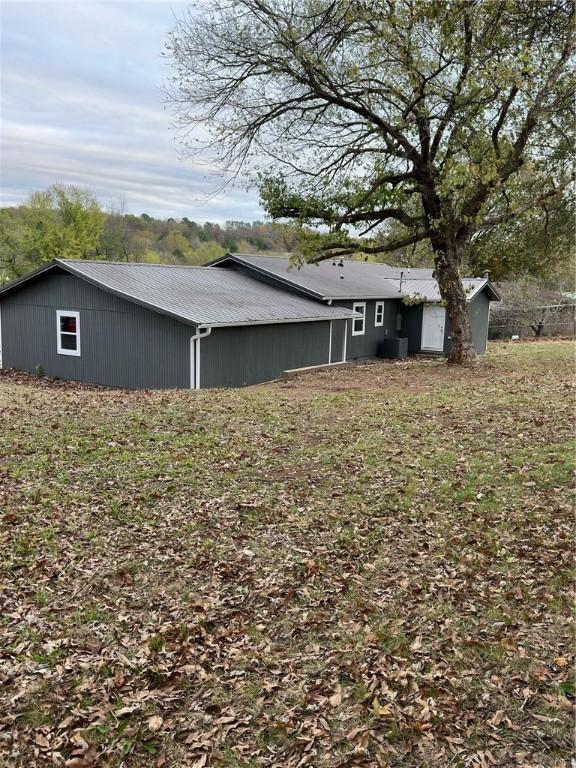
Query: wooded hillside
[{"x": 68, "y": 222}]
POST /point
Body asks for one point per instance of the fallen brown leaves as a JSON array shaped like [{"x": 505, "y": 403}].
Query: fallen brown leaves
[{"x": 373, "y": 569}]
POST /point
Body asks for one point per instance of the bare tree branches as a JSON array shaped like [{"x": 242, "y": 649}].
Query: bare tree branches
[{"x": 379, "y": 115}]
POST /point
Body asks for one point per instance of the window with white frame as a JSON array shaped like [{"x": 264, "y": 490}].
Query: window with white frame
[
  {"x": 379, "y": 313},
  {"x": 359, "y": 322},
  {"x": 68, "y": 332}
]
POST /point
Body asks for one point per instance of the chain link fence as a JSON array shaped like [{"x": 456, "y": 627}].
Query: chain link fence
[{"x": 545, "y": 321}]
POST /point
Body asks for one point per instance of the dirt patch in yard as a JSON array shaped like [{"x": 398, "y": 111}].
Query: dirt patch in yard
[
  {"x": 414, "y": 375},
  {"x": 418, "y": 374}
]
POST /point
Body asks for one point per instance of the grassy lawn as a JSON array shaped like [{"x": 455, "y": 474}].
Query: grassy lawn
[{"x": 360, "y": 567}]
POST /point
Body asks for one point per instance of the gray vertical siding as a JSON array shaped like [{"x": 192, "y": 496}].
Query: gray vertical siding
[
  {"x": 412, "y": 326},
  {"x": 338, "y": 327},
  {"x": 233, "y": 357},
  {"x": 367, "y": 344},
  {"x": 447, "y": 338},
  {"x": 478, "y": 311},
  {"x": 356, "y": 346},
  {"x": 411, "y": 323},
  {"x": 122, "y": 344}
]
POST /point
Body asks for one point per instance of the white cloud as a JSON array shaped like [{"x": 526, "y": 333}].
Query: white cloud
[{"x": 82, "y": 104}]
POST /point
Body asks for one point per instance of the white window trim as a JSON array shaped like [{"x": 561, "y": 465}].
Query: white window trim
[
  {"x": 379, "y": 306},
  {"x": 67, "y": 313},
  {"x": 354, "y": 319}
]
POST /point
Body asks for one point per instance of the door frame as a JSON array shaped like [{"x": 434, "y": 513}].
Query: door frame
[{"x": 429, "y": 307}]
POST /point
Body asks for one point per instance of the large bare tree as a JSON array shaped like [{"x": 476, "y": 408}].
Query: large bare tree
[{"x": 382, "y": 124}]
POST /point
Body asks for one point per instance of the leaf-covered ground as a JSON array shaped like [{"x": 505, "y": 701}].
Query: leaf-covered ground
[{"x": 368, "y": 566}]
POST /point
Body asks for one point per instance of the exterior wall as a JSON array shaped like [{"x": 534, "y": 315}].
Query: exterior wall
[
  {"x": 478, "y": 312},
  {"x": 122, "y": 344},
  {"x": 356, "y": 346},
  {"x": 338, "y": 331},
  {"x": 412, "y": 326},
  {"x": 367, "y": 344},
  {"x": 411, "y": 323},
  {"x": 234, "y": 357}
]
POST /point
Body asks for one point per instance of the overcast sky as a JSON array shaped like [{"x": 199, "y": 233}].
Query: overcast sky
[{"x": 82, "y": 104}]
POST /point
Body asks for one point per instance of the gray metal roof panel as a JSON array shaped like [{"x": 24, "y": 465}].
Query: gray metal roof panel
[
  {"x": 325, "y": 280},
  {"x": 429, "y": 290},
  {"x": 200, "y": 296},
  {"x": 421, "y": 281},
  {"x": 360, "y": 279}
]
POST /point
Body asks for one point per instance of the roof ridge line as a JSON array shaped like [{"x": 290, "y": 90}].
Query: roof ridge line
[{"x": 129, "y": 263}]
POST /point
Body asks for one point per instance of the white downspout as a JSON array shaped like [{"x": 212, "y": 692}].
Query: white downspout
[
  {"x": 195, "y": 356},
  {"x": 345, "y": 341},
  {"x": 329, "y": 345}
]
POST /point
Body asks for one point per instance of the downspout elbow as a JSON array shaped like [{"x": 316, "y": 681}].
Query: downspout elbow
[{"x": 199, "y": 334}]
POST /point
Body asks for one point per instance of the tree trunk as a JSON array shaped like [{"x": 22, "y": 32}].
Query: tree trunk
[{"x": 448, "y": 259}]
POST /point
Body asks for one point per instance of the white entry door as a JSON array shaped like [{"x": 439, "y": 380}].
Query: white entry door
[{"x": 433, "y": 322}]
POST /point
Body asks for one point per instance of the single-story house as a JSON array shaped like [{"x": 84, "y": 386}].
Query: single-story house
[
  {"x": 393, "y": 301},
  {"x": 239, "y": 321},
  {"x": 157, "y": 326}
]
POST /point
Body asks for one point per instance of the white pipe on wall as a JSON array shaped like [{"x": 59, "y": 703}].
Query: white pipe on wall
[{"x": 195, "y": 356}]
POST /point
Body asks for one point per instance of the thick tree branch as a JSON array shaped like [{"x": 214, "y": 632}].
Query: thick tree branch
[
  {"x": 502, "y": 118},
  {"x": 336, "y": 249},
  {"x": 309, "y": 212}
]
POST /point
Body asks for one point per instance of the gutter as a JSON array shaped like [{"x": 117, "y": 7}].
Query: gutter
[
  {"x": 201, "y": 333},
  {"x": 349, "y": 314}
]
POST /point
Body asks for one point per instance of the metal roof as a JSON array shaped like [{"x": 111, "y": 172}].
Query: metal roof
[
  {"x": 325, "y": 280},
  {"x": 417, "y": 281},
  {"x": 355, "y": 279},
  {"x": 202, "y": 296},
  {"x": 430, "y": 291}
]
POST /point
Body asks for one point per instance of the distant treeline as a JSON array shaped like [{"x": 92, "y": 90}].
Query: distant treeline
[
  {"x": 144, "y": 238},
  {"x": 68, "y": 222}
]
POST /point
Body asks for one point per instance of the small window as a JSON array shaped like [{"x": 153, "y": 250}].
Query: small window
[
  {"x": 358, "y": 322},
  {"x": 379, "y": 313},
  {"x": 68, "y": 332}
]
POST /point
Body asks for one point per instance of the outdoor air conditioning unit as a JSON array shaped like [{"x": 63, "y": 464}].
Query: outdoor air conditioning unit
[{"x": 393, "y": 349}]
